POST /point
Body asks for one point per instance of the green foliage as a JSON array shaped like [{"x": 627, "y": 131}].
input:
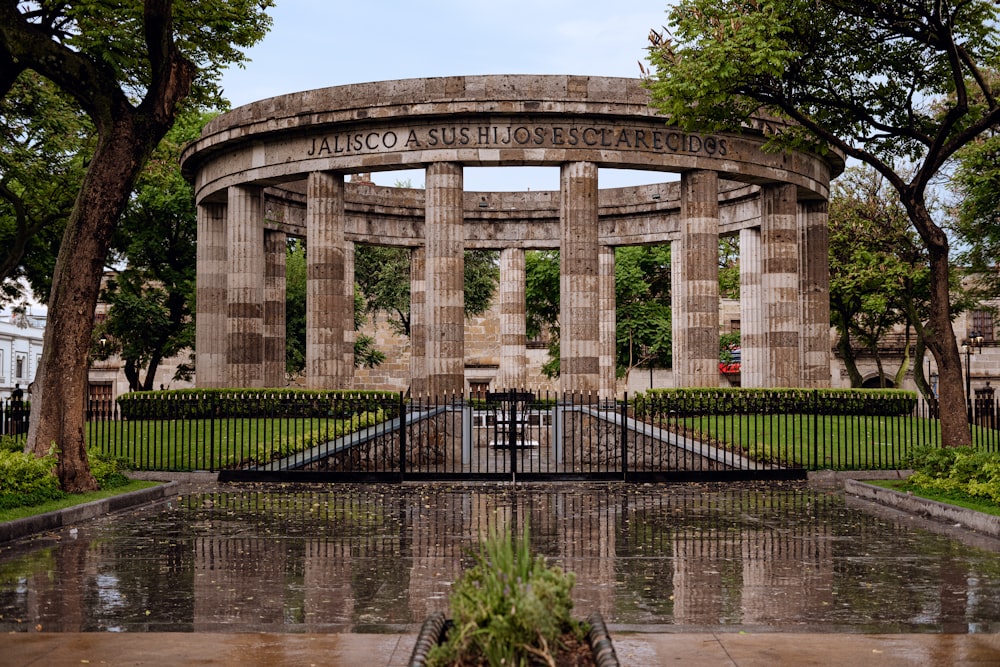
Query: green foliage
[
  {"x": 204, "y": 403},
  {"x": 109, "y": 471},
  {"x": 749, "y": 401},
  {"x": 295, "y": 306},
  {"x": 643, "y": 334},
  {"x": 977, "y": 185},
  {"x": 961, "y": 471},
  {"x": 44, "y": 144},
  {"x": 509, "y": 609},
  {"x": 151, "y": 300},
  {"x": 27, "y": 480},
  {"x": 10, "y": 443},
  {"x": 382, "y": 275}
]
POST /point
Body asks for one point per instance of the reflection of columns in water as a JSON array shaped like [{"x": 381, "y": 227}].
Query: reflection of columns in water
[
  {"x": 814, "y": 238},
  {"x": 436, "y": 561},
  {"x": 329, "y": 287},
  {"x": 780, "y": 283},
  {"x": 696, "y": 312},
  {"x": 513, "y": 360},
  {"x": 211, "y": 323},
  {"x": 445, "y": 271},
  {"x": 274, "y": 308},
  {"x": 753, "y": 340},
  {"x": 579, "y": 307},
  {"x": 787, "y": 577},
  {"x": 233, "y": 577},
  {"x": 699, "y": 562},
  {"x": 418, "y": 322},
  {"x": 245, "y": 287},
  {"x": 606, "y": 331},
  {"x": 327, "y": 585}
]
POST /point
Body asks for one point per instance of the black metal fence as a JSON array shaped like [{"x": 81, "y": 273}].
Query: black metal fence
[
  {"x": 505, "y": 436},
  {"x": 14, "y": 417}
]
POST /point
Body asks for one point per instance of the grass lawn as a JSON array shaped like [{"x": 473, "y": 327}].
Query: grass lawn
[
  {"x": 837, "y": 442},
  {"x": 960, "y": 500},
  {"x": 215, "y": 444},
  {"x": 71, "y": 500}
]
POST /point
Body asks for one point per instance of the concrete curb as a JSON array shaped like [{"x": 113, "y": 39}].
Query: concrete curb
[
  {"x": 12, "y": 530},
  {"x": 986, "y": 524}
]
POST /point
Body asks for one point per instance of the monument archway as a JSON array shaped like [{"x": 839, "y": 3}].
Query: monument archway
[{"x": 277, "y": 167}]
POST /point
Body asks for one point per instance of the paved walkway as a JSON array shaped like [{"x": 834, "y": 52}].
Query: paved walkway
[{"x": 358, "y": 650}]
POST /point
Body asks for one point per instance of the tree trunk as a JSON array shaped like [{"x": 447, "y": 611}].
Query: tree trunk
[
  {"x": 59, "y": 398},
  {"x": 940, "y": 340},
  {"x": 850, "y": 363}
]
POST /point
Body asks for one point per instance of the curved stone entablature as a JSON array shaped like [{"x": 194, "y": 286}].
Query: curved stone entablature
[
  {"x": 477, "y": 121},
  {"x": 637, "y": 215},
  {"x": 278, "y": 167}
]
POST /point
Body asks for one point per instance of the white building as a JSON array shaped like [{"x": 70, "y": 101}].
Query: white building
[{"x": 20, "y": 350}]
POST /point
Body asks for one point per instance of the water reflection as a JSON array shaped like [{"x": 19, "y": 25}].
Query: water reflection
[{"x": 368, "y": 559}]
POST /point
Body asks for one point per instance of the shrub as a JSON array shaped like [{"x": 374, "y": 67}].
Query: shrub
[
  {"x": 27, "y": 480},
  {"x": 510, "y": 608},
  {"x": 958, "y": 470},
  {"x": 700, "y": 401},
  {"x": 217, "y": 403},
  {"x": 107, "y": 470},
  {"x": 10, "y": 443}
]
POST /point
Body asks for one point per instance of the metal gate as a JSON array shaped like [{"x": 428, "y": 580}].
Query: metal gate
[{"x": 514, "y": 436}]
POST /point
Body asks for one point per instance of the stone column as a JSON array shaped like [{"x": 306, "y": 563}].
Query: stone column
[
  {"x": 329, "y": 313},
  {"x": 696, "y": 313},
  {"x": 274, "y": 308},
  {"x": 245, "y": 288},
  {"x": 513, "y": 320},
  {"x": 815, "y": 290},
  {"x": 445, "y": 271},
  {"x": 606, "y": 333},
  {"x": 211, "y": 330},
  {"x": 579, "y": 303},
  {"x": 677, "y": 306},
  {"x": 780, "y": 284},
  {"x": 753, "y": 337},
  {"x": 418, "y": 319}
]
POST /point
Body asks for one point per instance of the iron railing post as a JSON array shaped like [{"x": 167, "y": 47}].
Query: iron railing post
[
  {"x": 624, "y": 437},
  {"x": 402, "y": 437}
]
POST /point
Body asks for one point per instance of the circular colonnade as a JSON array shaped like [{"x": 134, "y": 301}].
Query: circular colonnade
[{"x": 277, "y": 167}]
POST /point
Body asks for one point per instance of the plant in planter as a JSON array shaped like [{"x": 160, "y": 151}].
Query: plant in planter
[{"x": 513, "y": 609}]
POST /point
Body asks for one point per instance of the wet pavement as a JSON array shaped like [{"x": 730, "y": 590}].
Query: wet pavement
[{"x": 708, "y": 568}]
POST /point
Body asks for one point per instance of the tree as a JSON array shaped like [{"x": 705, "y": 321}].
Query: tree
[
  {"x": 878, "y": 268},
  {"x": 898, "y": 86},
  {"x": 365, "y": 352},
  {"x": 129, "y": 66},
  {"x": 151, "y": 300},
  {"x": 382, "y": 274},
  {"x": 44, "y": 144},
  {"x": 642, "y": 304},
  {"x": 977, "y": 188}
]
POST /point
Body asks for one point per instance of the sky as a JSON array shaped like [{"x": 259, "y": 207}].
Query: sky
[{"x": 321, "y": 43}]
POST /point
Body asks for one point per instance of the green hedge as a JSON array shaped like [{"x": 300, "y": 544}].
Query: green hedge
[
  {"x": 734, "y": 400},
  {"x": 958, "y": 470},
  {"x": 218, "y": 403},
  {"x": 27, "y": 480}
]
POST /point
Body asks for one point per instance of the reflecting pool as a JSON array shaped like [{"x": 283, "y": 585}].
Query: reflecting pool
[{"x": 381, "y": 558}]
